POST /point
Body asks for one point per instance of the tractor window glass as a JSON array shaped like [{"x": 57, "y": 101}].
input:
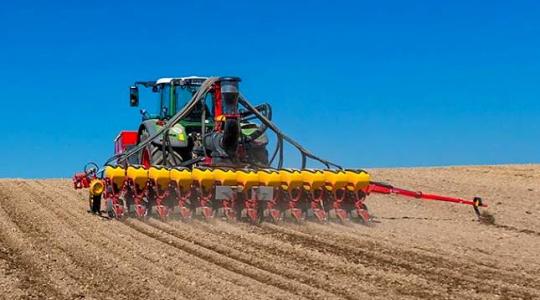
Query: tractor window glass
[
  {"x": 156, "y": 107},
  {"x": 209, "y": 105},
  {"x": 150, "y": 101},
  {"x": 167, "y": 109},
  {"x": 184, "y": 94}
]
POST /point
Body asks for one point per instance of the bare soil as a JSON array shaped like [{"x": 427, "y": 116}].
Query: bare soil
[{"x": 51, "y": 248}]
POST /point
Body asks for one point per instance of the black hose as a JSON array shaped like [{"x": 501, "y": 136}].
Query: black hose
[
  {"x": 280, "y": 161},
  {"x": 278, "y": 140},
  {"x": 274, "y": 128},
  {"x": 266, "y": 110}
]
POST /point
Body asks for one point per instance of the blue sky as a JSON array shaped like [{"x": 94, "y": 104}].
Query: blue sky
[{"x": 364, "y": 84}]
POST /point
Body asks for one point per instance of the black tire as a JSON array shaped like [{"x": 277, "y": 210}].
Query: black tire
[
  {"x": 155, "y": 153},
  {"x": 96, "y": 204}
]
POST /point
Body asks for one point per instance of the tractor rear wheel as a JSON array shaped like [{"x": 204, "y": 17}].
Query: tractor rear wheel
[{"x": 152, "y": 154}]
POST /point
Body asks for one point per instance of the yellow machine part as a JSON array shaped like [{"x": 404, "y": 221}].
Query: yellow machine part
[
  {"x": 358, "y": 179},
  {"x": 160, "y": 176},
  {"x": 205, "y": 177},
  {"x": 225, "y": 176},
  {"x": 247, "y": 178},
  {"x": 335, "y": 179},
  {"x": 182, "y": 177},
  {"x": 96, "y": 187},
  {"x": 269, "y": 178},
  {"x": 115, "y": 174},
  {"x": 139, "y": 175},
  {"x": 290, "y": 179},
  {"x": 313, "y": 179}
]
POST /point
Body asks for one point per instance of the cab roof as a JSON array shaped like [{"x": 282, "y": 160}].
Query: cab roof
[{"x": 168, "y": 80}]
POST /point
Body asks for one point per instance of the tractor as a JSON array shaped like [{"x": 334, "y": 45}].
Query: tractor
[
  {"x": 204, "y": 153},
  {"x": 215, "y": 132}
]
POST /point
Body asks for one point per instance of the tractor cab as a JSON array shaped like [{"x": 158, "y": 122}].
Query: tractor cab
[{"x": 172, "y": 95}]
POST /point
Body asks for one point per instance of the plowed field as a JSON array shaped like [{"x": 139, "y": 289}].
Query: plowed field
[{"x": 50, "y": 247}]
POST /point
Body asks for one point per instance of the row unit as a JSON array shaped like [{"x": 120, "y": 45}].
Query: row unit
[{"x": 287, "y": 179}]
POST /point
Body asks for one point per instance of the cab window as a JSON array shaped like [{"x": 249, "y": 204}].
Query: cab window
[
  {"x": 183, "y": 95},
  {"x": 166, "y": 109}
]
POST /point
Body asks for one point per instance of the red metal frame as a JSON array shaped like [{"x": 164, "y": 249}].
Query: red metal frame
[
  {"x": 146, "y": 159},
  {"x": 81, "y": 180},
  {"x": 316, "y": 203},
  {"x": 218, "y": 105},
  {"x": 382, "y": 188},
  {"x": 113, "y": 194},
  {"x": 183, "y": 198},
  {"x": 272, "y": 207},
  {"x": 160, "y": 197},
  {"x": 294, "y": 197},
  {"x": 205, "y": 202}
]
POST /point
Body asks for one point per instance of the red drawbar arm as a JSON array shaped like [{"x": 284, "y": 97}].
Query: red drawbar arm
[{"x": 383, "y": 188}]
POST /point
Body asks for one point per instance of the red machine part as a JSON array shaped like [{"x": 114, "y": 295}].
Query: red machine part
[
  {"x": 383, "y": 188},
  {"x": 113, "y": 194},
  {"x": 218, "y": 105},
  {"x": 124, "y": 139},
  {"x": 81, "y": 180}
]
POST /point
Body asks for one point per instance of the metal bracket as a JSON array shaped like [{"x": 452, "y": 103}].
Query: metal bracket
[
  {"x": 224, "y": 192},
  {"x": 264, "y": 193},
  {"x": 477, "y": 202}
]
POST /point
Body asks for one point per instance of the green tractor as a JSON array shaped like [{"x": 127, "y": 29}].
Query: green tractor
[{"x": 214, "y": 133}]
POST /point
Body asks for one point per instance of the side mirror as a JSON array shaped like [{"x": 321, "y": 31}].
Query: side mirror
[{"x": 133, "y": 96}]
